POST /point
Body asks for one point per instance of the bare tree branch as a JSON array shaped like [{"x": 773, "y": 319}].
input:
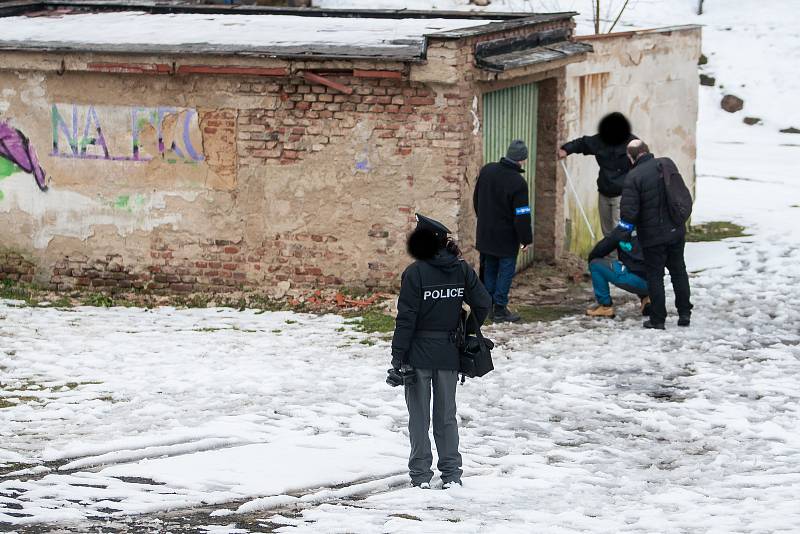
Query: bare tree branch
[
  {"x": 596, "y": 16},
  {"x": 620, "y": 15}
]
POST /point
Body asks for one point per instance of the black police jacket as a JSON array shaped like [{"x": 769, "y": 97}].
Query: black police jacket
[
  {"x": 429, "y": 308},
  {"x": 612, "y": 159},
  {"x": 644, "y": 204},
  {"x": 629, "y": 251},
  {"x": 503, "y": 209}
]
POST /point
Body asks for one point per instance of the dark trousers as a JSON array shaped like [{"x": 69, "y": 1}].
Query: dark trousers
[
  {"x": 669, "y": 255},
  {"x": 497, "y": 276},
  {"x": 445, "y": 426}
]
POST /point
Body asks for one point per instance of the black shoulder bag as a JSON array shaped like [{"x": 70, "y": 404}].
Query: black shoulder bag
[{"x": 475, "y": 351}]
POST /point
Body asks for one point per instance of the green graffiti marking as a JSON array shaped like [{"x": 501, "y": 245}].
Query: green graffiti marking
[
  {"x": 7, "y": 168},
  {"x": 122, "y": 201}
]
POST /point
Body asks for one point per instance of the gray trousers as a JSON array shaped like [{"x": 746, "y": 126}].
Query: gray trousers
[
  {"x": 445, "y": 426},
  {"x": 609, "y": 212}
]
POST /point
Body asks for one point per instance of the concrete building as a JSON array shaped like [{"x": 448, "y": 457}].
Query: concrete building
[{"x": 178, "y": 148}]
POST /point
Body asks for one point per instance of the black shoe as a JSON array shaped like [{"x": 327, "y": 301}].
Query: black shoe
[
  {"x": 655, "y": 326},
  {"x": 684, "y": 320},
  {"x": 503, "y": 315}
]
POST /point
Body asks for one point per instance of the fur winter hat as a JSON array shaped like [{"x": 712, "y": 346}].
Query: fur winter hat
[
  {"x": 614, "y": 129},
  {"x": 423, "y": 244},
  {"x": 426, "y": 240}
]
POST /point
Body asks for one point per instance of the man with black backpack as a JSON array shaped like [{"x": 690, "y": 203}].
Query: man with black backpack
[{"x": 657, "y": 203}]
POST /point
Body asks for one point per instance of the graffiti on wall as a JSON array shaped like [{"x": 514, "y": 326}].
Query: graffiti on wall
[
  {"x": 137, "y": 134},
  {"x": 16, "y": 152}
]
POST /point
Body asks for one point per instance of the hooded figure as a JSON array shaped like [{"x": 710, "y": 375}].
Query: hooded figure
[
  {"x": 608, "y": 147},
  {"x": 432, "y": 292}
]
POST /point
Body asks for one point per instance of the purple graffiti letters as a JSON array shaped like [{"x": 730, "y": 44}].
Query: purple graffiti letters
[
  {"x": 141, "y": 118},
  {"x": 17, "y": 149}
]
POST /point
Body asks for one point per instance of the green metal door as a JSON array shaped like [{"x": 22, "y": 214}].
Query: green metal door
[{"x": 511, "y": 114}]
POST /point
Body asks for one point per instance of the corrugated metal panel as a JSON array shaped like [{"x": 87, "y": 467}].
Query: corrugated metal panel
[{"x": 511, "y": 114}]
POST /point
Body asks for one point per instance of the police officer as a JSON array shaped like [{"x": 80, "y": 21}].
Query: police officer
[{"x": 431, "y": 295}]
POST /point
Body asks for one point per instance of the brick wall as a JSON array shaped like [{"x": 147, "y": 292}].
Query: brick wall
[
  {"x": 15, "y": 267},
  {"x": 307, "y": 119},
  {"x": 311, "y": 117}
]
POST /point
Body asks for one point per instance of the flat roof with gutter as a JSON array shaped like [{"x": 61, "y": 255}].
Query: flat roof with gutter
[{"x": 150, "y": 27}]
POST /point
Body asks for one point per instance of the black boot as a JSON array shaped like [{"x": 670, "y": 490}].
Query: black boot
[
  {"x": 656, "y": 326},
  {"x": 684, "y": 320},
  {"x": 503, "y": 315}
]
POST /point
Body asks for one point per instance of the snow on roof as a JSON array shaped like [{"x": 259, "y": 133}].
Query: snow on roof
[{"x": 281, "y": 35}]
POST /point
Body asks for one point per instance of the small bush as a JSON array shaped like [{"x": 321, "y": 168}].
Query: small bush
[
  {"x": 373, "y": 321},
  {"x": 98, "y": 300},
  {"x": 714, "y": 231}
]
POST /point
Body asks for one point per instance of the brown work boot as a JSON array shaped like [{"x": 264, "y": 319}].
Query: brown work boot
[
  {"x": 645, "y": 306},
  {"x": 601, "y": 311}
]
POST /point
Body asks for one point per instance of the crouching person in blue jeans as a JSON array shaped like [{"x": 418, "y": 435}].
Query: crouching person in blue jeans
[{"x": 626, "y": 273}]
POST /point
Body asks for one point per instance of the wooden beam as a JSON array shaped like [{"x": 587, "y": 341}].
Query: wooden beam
[
  {"x": 130, "y": 68},
  {"x": 243, "y": 71},
  {"x": 316, "y": 78}
]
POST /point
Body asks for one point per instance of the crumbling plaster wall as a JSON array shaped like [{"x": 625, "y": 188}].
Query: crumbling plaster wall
[
  {"x": 256, "y": 181},
  {"x": 651, "y": 77}
]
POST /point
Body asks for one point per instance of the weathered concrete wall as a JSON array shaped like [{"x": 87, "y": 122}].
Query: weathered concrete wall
[
  {"x": 651, "y": 77},
  {"x": 177, "y": 183}
]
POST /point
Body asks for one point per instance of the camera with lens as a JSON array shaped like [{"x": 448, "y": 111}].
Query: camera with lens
[{"x": 405, "y": 376}]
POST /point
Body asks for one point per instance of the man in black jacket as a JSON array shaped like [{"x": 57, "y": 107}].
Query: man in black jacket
[
  {"x": 608, "y": 147},
  {"x": 432, "y": 291},
  {"x": 627, "y": 273},
  {"x": 644, "y": 206},
  {"x": 504, "y": 224}
]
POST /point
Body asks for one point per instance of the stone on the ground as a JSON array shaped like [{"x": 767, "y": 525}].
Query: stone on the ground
[
  {"x": 710, "y": 81},
  {"x": 791, "y": 130},
  {"x": 750, "y": 121},
  {"x": 731, "y": 103}
]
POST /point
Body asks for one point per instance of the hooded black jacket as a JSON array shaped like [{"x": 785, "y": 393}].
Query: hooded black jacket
[
  {"x": 429, "y": 309},
  {"x": 629, "y": 251},
  {"x": 503, "y": 209},
  {"x": 612, "y": 159},
  {"x": 644, "y": 203}
]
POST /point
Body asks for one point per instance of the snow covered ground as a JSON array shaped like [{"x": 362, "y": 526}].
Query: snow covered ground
[{"x": 585, "y": 426}]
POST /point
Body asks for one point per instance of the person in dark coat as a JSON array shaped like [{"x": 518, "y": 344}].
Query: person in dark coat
[
  {"x": 608, "y": 147},
  {"x": 432, "y": 291},
  {"x": 644, "y": 207},
  {"x": 627, "y": 272},
  {"x": 504, "y": 224}
]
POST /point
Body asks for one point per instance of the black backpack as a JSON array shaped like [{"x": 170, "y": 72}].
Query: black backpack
[{"x": 679, "y": 199}]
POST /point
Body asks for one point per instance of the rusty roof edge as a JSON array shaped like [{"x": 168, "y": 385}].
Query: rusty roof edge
[
  {"x": 665, "y": 29},
  {"x": 496, "y": 27},
  {"x": 382, "y": 55},
  {"x": 14, "y": 8}
]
